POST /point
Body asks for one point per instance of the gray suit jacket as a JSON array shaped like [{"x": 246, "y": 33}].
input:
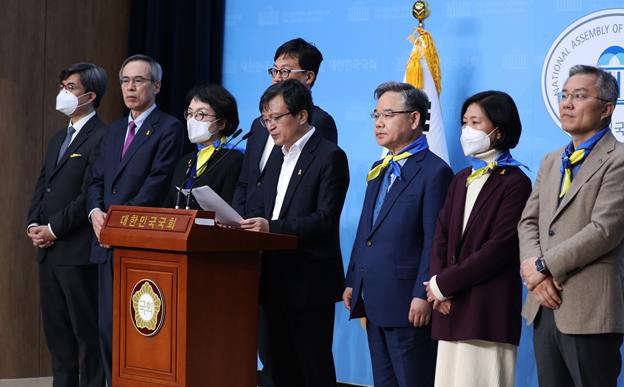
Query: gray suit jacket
[{"x": 581, "y": 240}]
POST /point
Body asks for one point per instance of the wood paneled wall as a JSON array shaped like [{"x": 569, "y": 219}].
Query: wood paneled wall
[{"x": 38, "y": 38}]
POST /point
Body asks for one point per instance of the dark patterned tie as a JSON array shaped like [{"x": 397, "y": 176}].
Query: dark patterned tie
[{"x": 65, "y": 144}]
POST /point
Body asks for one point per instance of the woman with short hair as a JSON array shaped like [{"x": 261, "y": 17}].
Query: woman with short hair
[{"x": 475, "y": 283}]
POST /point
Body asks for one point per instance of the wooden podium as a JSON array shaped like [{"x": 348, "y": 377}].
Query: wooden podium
[{"x": 185, "y": 298}]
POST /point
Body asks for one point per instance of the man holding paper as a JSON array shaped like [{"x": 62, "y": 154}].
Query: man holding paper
[{"x": 303, "y": 195}]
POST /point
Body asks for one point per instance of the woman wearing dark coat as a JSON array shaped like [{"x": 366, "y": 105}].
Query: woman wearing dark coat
[{"x": 475, "y": 282}]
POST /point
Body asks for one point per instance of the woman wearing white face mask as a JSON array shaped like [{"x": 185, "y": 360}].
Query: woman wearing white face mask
[
  {"x": 211, "y": 116},
  {"x": 475, "y": 285}
]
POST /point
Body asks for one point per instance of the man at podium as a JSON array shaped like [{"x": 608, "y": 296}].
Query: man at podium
[{"x": 303, "y": 195}]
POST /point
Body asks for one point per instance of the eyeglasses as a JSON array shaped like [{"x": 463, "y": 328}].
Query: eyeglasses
[
  {"x": 375, "y": 115},
  {"x": 198, "y": 115},
  {"x": 69, "y": 87},
  {"x": 271, "y": 120},
  {"x": 283, "y": 73},
  {"x": 579, "y": 96},
  {"x": 138, "y": 81}
]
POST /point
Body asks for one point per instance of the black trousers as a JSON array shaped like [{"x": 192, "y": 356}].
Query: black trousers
[
  {"x": 105, "y": 316},
  {"x": 69, "y": 308},
  {"x": 574, "y": 360},
  {"x": 266, "y": 375},
  {"x": 299, "y": 345}
]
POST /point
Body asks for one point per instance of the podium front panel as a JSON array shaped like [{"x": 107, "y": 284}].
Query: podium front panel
[{"x": 149, "y": 334}]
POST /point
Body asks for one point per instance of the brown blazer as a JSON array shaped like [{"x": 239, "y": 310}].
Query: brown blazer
[
  {"x": 581, "y": 240},
  {"x": 479, "y": 268}
]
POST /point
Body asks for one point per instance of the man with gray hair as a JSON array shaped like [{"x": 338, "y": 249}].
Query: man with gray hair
[
  {"x": 58, "y": 227},
  {"x": 571, "y": 242},
  {"x": 390, "y": 256},
  {"x": 137, "y": 158}
]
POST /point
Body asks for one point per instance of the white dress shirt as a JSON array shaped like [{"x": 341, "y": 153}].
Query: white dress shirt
[
  {"x": 139, "y": 120},
  {"x": 291, "y": 155},
  {"x": 79, "y": 124},
  {"x": 268, "y": 147}
]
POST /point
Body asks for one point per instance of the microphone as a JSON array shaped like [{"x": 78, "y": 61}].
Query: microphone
[
  {"x": 179, "y": 193},
  {"x": 190, "y": 176},
  {"x": 218, "y": 160}
]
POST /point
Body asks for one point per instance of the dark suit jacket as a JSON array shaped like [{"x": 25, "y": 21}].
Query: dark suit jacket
[
  {"x": 60, "y": 195},
  {"x": 390, "y": 259},
  {"x": 248, "y": 197},
  {"x": 222, "y": 178},
  {"x": 312, "y": 275},
  {"x": 480, "y": 269},
  {"x": 143, "y": 177}
]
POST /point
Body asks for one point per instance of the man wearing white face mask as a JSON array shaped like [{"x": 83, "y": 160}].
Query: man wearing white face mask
[
  {"x": 58, "y": 227},
  {"x": 211, "y": 116}
]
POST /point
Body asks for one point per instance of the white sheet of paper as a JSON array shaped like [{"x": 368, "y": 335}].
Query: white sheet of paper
[{"x": 209, "y": 200}]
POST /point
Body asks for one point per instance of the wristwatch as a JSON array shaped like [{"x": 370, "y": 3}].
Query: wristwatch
[{"x": 540, "y": 266}]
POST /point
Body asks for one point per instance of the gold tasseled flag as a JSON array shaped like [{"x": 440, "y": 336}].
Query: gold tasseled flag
[{"x": 423, "y": 47}]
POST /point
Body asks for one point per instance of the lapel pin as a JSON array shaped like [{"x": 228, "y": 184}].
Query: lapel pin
[
  {"x": 75, "y": 155},
  {"x": 148, "y": 132},
  {"x": 299, "y": 173},
  {"x": 502, "y": 172}
]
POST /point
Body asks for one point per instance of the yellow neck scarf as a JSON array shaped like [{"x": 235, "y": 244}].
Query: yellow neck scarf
[{"x": 204, "y": 155}]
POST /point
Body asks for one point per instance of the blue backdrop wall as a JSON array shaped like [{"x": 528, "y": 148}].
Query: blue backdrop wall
[{"x": 483, "y": 44}]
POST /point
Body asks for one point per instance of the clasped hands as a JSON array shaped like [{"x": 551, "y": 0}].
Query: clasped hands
[
  {"x": 546, "y": 290},
  {"x": 442, "y": 306},
  {"x": 40, "y": 236}
]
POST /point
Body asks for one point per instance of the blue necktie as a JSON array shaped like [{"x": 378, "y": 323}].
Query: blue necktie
[
  {"x": 383, "y": 191},
  {"x": 65, "y": 144}
]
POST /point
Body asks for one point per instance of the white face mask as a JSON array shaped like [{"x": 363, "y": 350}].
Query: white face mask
[
  {"x": 67, "y": 102},
  {"x": 474, "y": 141},
  {"x": 199, "y": 131}
]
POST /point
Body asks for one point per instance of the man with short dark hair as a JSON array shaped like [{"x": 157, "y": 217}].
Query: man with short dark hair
[
  {"x": 137, "y": 158},
  {"x": 303, "y": 194},
  {"x": 390, "y": 257},
  {"x": 57, "y": 225},
  {"x": 572, "y": 242},
  {"x": 295, "y": 59}
]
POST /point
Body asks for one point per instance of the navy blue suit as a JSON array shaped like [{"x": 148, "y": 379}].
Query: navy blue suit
[
  {"x": 141, "y": 178},
  {"x": 389, "y": 263}
]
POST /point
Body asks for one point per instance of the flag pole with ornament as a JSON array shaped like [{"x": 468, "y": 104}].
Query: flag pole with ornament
[{"x": 423, "y": 71}]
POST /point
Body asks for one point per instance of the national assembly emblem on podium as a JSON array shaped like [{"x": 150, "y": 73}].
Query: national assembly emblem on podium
[{"x": 147, "y": 309}]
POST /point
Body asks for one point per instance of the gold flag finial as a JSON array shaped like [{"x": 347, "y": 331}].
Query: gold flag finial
[
  {"x": 423, "y": 47},
  {"x": 421, "y": 11}
]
